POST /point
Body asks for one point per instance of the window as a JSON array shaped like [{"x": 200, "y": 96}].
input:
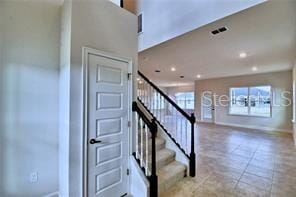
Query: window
[
  {"x": 140, "y": 23},
  {"x": 239, "y": 101},
  {"x": 252, "y": 101},
  {"x": 185, "y": 100}
]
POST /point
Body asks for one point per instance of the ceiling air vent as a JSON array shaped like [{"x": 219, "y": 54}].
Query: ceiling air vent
[
  {"x": 220, "y": 30},
  {"x": 215, "y": 32}
]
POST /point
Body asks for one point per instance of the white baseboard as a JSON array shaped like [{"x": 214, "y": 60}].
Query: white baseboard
[
  {"x": 254, "y": 127},
  {"x": 53, "y": 194},
  {"x": 294, "y": 133}
]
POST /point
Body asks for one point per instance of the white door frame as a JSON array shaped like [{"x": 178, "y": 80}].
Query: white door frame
[
  {"x": 213, "y": 106},
  {"x": 85, "y": 52}
]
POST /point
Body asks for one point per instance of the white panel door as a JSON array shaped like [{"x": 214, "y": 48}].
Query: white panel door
[
  {"x": 208, "y": 106},
  {"x": 107, "y": 126}
]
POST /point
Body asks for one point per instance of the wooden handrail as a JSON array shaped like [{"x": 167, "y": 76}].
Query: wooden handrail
[
  {"x": 135, "y": 108},
  {"x": 185, "y": 114},
  {"x": 153, "y": 179}
]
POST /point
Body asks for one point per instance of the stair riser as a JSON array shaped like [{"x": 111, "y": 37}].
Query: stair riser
[
  {"x": 167, "y": 184},
  {"x": 157, "y": 147},
  {"x": 161, "y": 163}
]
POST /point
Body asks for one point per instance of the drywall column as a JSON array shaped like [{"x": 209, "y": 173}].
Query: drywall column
[
  {"x": 104, "y": 26},
  {"x": 64, "y": 99}
]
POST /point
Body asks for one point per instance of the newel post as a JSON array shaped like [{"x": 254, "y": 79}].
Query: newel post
[
  {"x": 153, "y": 177},
  {"x": 192, "y": 153}
]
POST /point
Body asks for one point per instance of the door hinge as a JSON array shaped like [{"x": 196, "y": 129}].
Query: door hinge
[
  {"x": 127, "y": 171},
  {"x": 129, "y": 124},
  {"x": 129, "y": 75}
]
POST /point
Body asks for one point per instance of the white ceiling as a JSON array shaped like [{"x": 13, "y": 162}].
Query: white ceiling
[
  {"x": 266, "y": 32},
  {"x": 167, "y": 19}
]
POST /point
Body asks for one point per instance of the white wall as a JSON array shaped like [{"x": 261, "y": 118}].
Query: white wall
[
  {"x": 279, "y": 81},
  {"x": 104, "y": 26},
  {"x": 29, "y": 97},
  {"x": 171, "y": 91},
  {"x": 294, "y": 102},
  {"x": 1, "y": 93},
  {"x": 167, "y": 19}
]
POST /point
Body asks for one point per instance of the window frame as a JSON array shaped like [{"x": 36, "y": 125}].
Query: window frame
[{"x": 249, "y": 106}]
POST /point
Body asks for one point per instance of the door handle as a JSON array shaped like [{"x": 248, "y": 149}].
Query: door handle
[{"x": 94, "y": 141}]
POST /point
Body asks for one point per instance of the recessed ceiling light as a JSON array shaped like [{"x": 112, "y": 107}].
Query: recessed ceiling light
[
  {"x": 138, "y": 79},
  {"x": 198, "y": 76},
  {"x": 242, "y": 55},
  {"x": 254, "y": 68},
  {"x": 157, "y": 71},
  {"x": 173, "y": 69}
]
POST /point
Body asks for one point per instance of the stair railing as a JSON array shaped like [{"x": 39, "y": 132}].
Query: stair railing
[
  {"x": 145, "y": 153},
  {"x": 177, "y": 123}
]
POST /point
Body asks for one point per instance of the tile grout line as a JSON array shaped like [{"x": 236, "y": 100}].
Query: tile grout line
[
  {"x": 202, "y": 182},
  {"x": 246, "y": 168},
  {"x": 273, "y": 171}
]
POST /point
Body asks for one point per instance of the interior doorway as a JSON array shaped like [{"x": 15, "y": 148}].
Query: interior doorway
[
  {"x": 207, "y": 107},
  {"x": 107, "y": 113}
]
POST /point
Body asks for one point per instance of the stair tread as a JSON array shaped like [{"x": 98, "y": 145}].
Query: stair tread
[
  {"x": 158, "y": 141},
  {"x": 164, "y": 154}
]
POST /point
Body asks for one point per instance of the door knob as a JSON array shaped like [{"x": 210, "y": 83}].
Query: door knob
[{"x": 94, "y": 141}]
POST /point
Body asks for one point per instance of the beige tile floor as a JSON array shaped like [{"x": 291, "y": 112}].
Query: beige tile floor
[{"x": 240, "y": 162}]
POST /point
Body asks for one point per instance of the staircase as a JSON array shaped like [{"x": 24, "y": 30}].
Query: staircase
[
  {"x": 155, "y": 112},
  {"x": 169, "y": 170}
]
